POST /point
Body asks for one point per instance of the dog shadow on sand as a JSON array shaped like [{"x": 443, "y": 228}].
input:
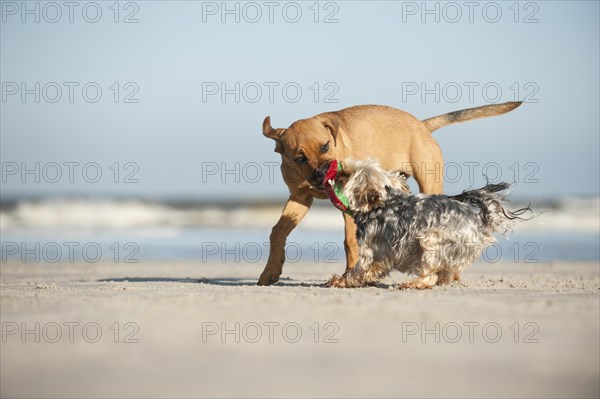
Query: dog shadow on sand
[{"x": 220, "y": 281}]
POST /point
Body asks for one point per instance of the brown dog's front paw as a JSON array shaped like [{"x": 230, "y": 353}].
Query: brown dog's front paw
[
  {"x": 336, "y": 281},
  {"x": 268, "y": 278}
]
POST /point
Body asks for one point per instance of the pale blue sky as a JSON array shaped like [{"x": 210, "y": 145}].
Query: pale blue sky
[{"x": 373, "y": 54}]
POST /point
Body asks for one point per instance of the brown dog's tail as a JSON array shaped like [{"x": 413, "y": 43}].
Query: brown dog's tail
[{"x": 469, "y": 114}]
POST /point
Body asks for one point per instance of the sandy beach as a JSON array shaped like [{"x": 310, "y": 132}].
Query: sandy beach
[
  {"x": 163, "y": 329},
  {"x": 156, "y": 155}
]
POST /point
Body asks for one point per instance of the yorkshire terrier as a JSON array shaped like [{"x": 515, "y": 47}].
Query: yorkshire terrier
[{"x": 432, "y": 236}]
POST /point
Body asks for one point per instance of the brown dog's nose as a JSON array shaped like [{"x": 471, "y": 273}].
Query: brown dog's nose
[{"x": 319, "y": 175}]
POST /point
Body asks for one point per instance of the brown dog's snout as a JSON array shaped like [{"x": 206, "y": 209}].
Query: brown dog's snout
[
  {"x": 319, "y": 174},
  {"x": 317, "y": 178}
]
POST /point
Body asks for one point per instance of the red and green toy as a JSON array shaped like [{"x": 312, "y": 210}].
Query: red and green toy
[{"x": 334, "y": 188}]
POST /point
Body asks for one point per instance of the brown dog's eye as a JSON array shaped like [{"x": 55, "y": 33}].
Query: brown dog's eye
[
  {"x": 301, "y": 160},
  {"x": 325, "y": 148}
]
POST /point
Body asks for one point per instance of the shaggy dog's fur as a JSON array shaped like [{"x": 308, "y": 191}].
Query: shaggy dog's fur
[{"x": 432, "y": 236}]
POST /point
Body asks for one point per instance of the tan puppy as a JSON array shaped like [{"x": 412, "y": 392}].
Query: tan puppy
[{"x": 398, "y": 140}]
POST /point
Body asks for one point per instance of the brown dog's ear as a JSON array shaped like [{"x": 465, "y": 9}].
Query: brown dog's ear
[
  {"x": 268, "y": 131},
  {"x": 278, "y": 147},
  {"x": 271, "y": 133},
  {"x": 332, "y": 124}
]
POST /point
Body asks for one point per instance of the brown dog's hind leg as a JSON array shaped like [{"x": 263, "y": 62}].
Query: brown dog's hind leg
[
  {"x": 350, "y": 243},
  {"x": 293, "y": 212},
  {"x": 429, "y": 182},
  {"x": 428, "y": 167}
]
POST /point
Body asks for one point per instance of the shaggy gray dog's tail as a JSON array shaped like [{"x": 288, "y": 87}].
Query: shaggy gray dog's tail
[{"x": 491, "y": 201}]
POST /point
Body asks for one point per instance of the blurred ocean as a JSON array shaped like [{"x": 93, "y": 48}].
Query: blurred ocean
[{"x": 94, "y": 230}]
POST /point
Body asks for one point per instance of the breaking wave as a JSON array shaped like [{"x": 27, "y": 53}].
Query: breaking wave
[{"x": 580, "y": 215}]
